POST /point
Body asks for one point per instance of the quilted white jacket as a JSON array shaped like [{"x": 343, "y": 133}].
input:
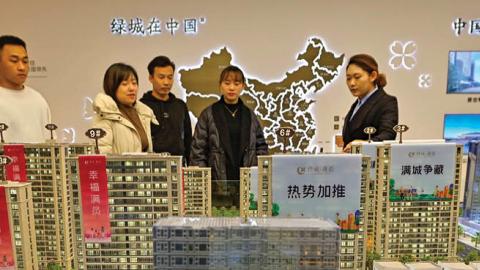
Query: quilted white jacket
[{"x": 121, "y": 137}]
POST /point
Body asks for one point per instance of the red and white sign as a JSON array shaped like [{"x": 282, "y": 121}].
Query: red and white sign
[
  {"x": 15, "y": 171},
  {"x": 7, "y": 262},
  {"x": 93, "y": 185}
]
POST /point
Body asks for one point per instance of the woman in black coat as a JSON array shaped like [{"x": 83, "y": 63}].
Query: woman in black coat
[
  {"x": 227, "y": 136},
  {"x": 373, "y": 107}
]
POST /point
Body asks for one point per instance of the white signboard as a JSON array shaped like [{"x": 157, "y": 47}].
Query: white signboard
[
  {"x": 326, "y": 186},
  {"x": 422, "y": 171}
]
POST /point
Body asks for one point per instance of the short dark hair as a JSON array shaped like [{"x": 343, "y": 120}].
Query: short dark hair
[
  {"x": 232, "y": 70},
  {"x": 160, "y": 61},
  {"x": 11, "y": 40},
  {"x": 115, "y": 75}
]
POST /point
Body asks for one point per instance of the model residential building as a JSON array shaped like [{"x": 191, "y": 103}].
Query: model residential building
[
  {"x": 52, "y": 200},
  {"x": 352, "y": 251},
  {"x": 141, "y": 189},
  {"x": 416, "y": 223},
  {"x": 19, "y": 199},
  {"x": 197, "y": 192},
  {"x": 259, "y": 243}
]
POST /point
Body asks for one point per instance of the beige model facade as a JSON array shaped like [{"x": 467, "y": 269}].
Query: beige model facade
[
  {"x": 21, "y": 222},
  {"x": 141, "y": 190},
  {"x": 421, "y": 229},
  {"x": 352, "y": 249},
  {"x": 52, "y": 200},
  {"x": 197, "y": 192},
  {"x": 257, "y": 243}
]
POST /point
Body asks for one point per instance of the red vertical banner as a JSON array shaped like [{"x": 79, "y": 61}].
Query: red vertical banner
[
  {"x": 7, "y": 262},
  {"x": 93, "y": 185},
  {"x": 17, "y": 170}
]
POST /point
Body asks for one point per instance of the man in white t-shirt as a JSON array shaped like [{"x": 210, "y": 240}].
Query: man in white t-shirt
[{"x": 22, "y": 108}]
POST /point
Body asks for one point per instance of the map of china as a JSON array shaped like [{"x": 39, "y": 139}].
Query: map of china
[{"x": 276, "y": 104}]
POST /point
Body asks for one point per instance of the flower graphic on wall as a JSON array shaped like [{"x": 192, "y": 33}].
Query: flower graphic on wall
[
  {"x": 424, "y": 80},
  {"x": 403, "y": 55}
]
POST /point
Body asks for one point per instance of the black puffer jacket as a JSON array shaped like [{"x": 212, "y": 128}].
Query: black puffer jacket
[{"x": 211, "y": 140}]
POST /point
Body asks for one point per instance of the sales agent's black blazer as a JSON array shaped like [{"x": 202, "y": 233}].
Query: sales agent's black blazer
[{"x": 380, "y": 111}]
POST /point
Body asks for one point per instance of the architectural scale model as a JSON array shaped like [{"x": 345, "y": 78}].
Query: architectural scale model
[
  {"x": 352, "y": 252},
  {"x": 407, "y": 226},
  {"x": 197, "y": 192},
  {"x": 141, "y": 190},
  {"x": 19, "y": 199},
  {"x": 52, "y": 200},
  {"x": 236, "y": 243}
]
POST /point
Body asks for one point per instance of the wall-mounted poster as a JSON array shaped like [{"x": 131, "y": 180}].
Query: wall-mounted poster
[
  {"x": 461, "y": 128},
  {"x": 463, "y": 72},
  {"x": 326, "y": 186}
]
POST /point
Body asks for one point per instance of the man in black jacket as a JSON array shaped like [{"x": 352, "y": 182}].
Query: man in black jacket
[{"x": 174, "y": 134}]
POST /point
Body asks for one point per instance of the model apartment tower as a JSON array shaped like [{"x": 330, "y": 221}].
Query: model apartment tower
[
  {"x": 19, "y": 203},
  {"x": 405, "y": 224},
  {"x": 141, "y": 190},
  {"x": 259, "y": 243},
  {"x": 353, "y": 251},
  {"x": 472, "y": 182},
  {"x": 52, "y": 200},
  {"x": 197, "y": 192}
]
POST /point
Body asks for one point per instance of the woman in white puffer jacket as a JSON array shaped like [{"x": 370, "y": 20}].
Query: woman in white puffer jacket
[{"x": 125, "y": 120}]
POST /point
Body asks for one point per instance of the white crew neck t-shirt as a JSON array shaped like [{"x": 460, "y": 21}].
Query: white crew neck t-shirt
[{"x": 26, "y": 113}]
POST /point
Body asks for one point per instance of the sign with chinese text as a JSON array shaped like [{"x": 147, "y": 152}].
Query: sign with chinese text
[
  {"x": 5, "y": 160},
  {"x": 326, "y": 186},
  {"x": 154, "y": 26},
  {"x": 94, "y": 190},
  {"x": 422, "y": 172},
  {"x": 16, "y": 170},
  {"x": 7, "y": 262},
  {"x": 459, "y": 24}
]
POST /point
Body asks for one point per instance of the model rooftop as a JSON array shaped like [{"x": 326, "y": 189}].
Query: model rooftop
[
  {"x": 389, "y": 266},
  {"x": 212, "y": 222},
  {"x": 454, "y": 266}
]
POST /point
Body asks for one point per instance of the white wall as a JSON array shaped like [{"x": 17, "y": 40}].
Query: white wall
[{"x": 72, "y": 40}]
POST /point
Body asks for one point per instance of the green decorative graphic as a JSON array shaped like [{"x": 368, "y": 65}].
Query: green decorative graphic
[
  {"x": 275, "y": 209},
  {"x": 414, "y": 194},
  {"x": 253, "y": 202}
]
